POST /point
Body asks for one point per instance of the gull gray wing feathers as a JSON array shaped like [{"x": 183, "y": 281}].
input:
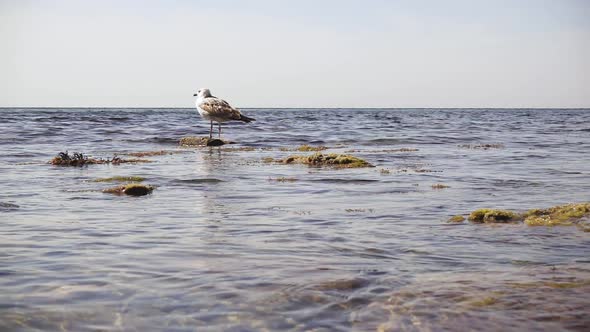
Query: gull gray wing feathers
[{"x": 219, "y": 109}]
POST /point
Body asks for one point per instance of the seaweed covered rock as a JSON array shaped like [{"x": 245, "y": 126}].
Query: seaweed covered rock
[
  {"x": 121, "y": 179},
  {"x": 202, "y": 141},
  {"x": 456, "y": 219},
  {"x": 131, "y": 189},
  {"x": 493, "y": 216},
  {"x": 306, "y": 148},
  {"x": 330, "y": 159},
  {"x": 77, "y": 159},
  {"x": 567, "y": 214}
]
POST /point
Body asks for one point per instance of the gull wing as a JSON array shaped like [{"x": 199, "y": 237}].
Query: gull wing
[{"x": 218, "y": 108}]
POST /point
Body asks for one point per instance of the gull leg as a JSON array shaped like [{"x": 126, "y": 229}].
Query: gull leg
[
  {"x": 211, "y": 130},
  {"x": 219, "y": 123}
]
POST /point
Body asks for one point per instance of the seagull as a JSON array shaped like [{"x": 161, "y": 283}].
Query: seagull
[{"x": 214, "y": 109}]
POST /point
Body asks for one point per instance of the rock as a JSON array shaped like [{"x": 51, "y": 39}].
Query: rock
[
  {"x": 561, "y": 215},
  {"x": 132, "y": 189},
  {"x": 215, "y": 142},
  {"x": 493, "y": 216},
  {"x": 330, "y": 159},
  {"x": 202, "y": 141},
  {"x": 577, "y": 214},
  {"x": 456, "y": 219}
]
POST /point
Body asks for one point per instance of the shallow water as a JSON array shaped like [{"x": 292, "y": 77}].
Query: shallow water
[{"x": 221, "y": 245}]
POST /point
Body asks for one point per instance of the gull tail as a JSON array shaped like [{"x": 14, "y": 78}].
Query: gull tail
[{"x": 246, "y": 119}]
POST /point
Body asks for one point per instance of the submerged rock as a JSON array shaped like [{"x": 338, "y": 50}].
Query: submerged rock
[
  {"x": 202, "y": 141},
  {"x": 493, "y": 216},
  {"x": 132, "y": 189},
  {"x": 567, "y": 214},
  {"x": 330, "y": 159}
]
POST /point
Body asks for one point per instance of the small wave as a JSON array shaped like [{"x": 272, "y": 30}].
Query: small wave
[
  {"x": 197, "y": 181},
  {"x": 327, "y": 180},
  {"x": 160, "y": 140},
  {"x": 8, "y": 206}
]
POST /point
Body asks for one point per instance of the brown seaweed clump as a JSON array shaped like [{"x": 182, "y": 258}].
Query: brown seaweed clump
[
  {"x": 561, "y": 215},
  {"x": 75, "y": 159},
  {"x": 79, "y": 159},
  {"x": 331, "y": 159},
  {"x": 440, "y": 186},
  {"x": 493, "y": 216},
  {"x": 131, "y": 189}
]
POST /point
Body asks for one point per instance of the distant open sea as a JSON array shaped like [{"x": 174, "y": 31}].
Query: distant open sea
[{"x": 230, "y": 242}]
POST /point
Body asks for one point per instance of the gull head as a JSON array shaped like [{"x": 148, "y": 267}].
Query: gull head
[{"x": 202, "y": 93}]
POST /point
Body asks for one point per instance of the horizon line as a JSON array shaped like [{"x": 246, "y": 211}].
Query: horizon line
[{"x": 286, "y": 108}]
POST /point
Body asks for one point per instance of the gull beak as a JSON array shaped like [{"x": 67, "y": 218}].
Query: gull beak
[{"x": 195, "y": 95}]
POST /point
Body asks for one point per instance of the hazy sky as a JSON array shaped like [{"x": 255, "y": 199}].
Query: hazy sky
[{"x": 300, "y": 53}]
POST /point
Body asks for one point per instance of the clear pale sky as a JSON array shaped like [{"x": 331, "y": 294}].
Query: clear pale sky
[{"x": 300, "y": 53}]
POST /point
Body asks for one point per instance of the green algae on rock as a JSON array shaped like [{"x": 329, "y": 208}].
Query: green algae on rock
[
  {"x": 131, "y": 189},
  {"x": 121, "y": 179},
  {"x": 561, "y": 215},
  {"x": 305, "y": 148},
  {"x": 331, "y": 159},
  {"x": 78, "y": 159},
  {"x": 202, "y": 141},
  {"x": 561, "y": 284},
  {"x": 484, "y": 302},
  {"x": 493, "y": 216},
  {"x": 456, "y": 219}
]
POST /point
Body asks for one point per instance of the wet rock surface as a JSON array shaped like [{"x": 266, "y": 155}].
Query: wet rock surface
[
  {"x": 202, "y": 141},
  {"x": 133, "y": 189}
]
